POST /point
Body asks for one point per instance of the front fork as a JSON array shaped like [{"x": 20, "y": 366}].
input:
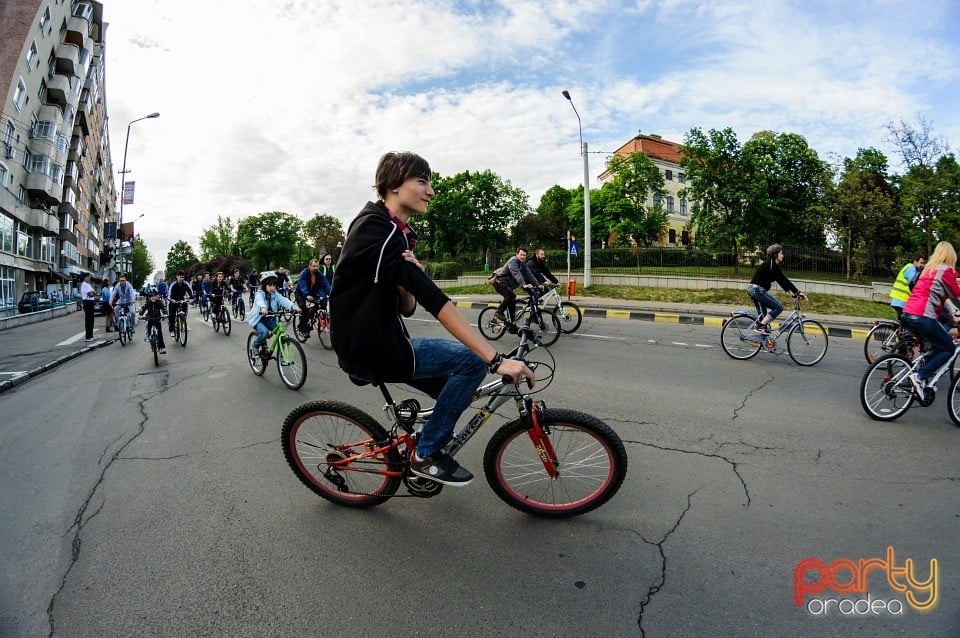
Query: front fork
[{"x": 539, "y": 436}]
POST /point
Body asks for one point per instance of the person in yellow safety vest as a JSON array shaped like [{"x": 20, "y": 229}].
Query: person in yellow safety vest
[{"x": 904, "y": 283}]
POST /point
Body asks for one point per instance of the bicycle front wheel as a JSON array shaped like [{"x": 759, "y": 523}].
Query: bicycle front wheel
[
  {"x": 590, "y": 459},
  {"x": 291, "y": 364},
  {"x": 205, "y": 311},
  {"x": 319, "y": 437},
  {"x": 885, "y": 391},
  {"x": 182, "y": 331},
  {"x": 323, "y": 332},
  {"x": 241, "y": 308},
  {"x": 226, "y": 325},
  {"x": 880, "y": 340},
  {"x": 122, "y": 331},
  {"x": 570, "y": 317},
  {"x": 953, "y": 401},
  {"x": 737, "y": 337},
  {"x": 257, "y": 364},
  {"x": 490, "y": 326},
  {"x": 155, "y": 348},
  {"x": 807, "y": 342},
  {"x": 547, "y": 329}
]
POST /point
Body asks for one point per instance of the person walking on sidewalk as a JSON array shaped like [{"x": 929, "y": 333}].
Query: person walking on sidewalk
[
  {"x": 759, "y": 288},
  {"x": 106, "y": 294},
  {"x": 88, "y": 296}
]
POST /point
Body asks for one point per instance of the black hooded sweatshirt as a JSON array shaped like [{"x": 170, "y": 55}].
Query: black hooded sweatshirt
[{"x": 367, "y": 330}]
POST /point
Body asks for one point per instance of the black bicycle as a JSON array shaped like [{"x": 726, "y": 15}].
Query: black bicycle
[
  {"x": 180, "y": 322},
  {"x": 221, "y": 319},
  {"x": 544, "y": 325},
  {"x": 320, "y": 320},
  {"x": 239, "y": 309}
]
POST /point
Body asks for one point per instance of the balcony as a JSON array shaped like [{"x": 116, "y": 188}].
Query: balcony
[
  {"x": 81, "y": 119},
  {"x": 68, "y": 235},
  {"x": 76, "y": 149},
  {"x": 47, "y": 222},
  {"x": 42, "y": 187},
  {"x": 68, "y": 58},
  {"x": 68, "y": 207},
  {"x": 78, "y": 30},
  {"x": 59, "y": 91}
]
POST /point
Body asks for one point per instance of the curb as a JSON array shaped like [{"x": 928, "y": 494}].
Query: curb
[
  {"x": 668, "y": 317},
  {"x": 50, "y": 365}
]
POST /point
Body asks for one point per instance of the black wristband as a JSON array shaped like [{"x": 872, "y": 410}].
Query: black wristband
[{"x": 495, "y": 363}]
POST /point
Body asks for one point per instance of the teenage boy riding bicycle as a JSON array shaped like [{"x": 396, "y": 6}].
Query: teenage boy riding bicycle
[{"x": 378, "y": 282}]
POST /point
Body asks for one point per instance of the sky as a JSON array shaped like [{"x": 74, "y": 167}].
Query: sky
[{"x": 286, "y": 105}]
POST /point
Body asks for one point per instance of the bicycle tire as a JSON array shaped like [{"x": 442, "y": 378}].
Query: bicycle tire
[
  {"x": 300, "y": 336},
  {"x": 291, "y": 363},
  {"x": 736, "y": 337},
  {"x": 879, "y": 341},
  {"x": 226, "y": 326},
  {"x": 807, "y": 342},
  {"x": 182, "y": 332},
  {"x": 318, "y": 433},
  {"x": 257, "y": 364},
  {"x": 205, "y": 311},
  {"x": 953, "y": 401},
  {"x": 570, "y": 317},
  {"x": 547, "y": 330},
  {"x": 491, "y": 327},
  {"x": 323, "y": 332},
  {"x": 241, "y": 307},
  {"x": 122, "y": 331},
  {"x": 155, "y": 348},
  {"x": 592, "y": 464},
  {"x": 883, "y": 394},
  {"x": 218, "y": 319}
]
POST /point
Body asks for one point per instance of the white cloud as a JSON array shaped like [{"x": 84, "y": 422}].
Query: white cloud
[{"x": 287, "y": 104}]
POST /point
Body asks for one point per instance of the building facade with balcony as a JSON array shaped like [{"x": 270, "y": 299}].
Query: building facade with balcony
[
  {"x": 666, "y": 157},
  {"x": 56, "y": 174}
]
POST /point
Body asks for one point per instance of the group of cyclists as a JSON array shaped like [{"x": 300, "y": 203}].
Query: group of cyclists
[{"x": 165, "y": 299}]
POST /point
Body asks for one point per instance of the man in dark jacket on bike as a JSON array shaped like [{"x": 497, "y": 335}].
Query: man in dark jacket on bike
[
  {"x": 513, "y": 273},
  {"x": 538, "y": 267},
  {"x": 312, "y": 286},
  {"x": 378, "y": 282}
]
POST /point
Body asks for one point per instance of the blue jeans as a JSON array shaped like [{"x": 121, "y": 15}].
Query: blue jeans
[
  {"x": 931, "y": 331},
  {"x": 264, "y": 328},
  {"x": 450, "y": 373},
  {"x": 766, "y": 301}
]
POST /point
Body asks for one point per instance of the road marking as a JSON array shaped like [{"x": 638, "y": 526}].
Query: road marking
[
  {"x": 74, "y": 338},
  {"x": 15, "y": 373},
  {"x": 679, "y": 343}
]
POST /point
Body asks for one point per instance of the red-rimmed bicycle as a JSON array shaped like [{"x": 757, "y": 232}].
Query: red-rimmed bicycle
[{"x": 547, "y": 462}]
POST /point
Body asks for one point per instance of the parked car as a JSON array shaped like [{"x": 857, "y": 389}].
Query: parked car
[{"x": 34, "y": 300}]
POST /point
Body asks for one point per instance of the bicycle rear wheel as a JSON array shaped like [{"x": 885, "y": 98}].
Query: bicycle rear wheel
[
  {"x": 953, "y": 401},
  {"x": 257, "y": 364},
  {"x": 570, "y": 317},
  {"x": 885, "y": 391},
  {"x": 291, "y": 363},
  {"x": 807, "y": 342},
  {"x": 302, "y": 336},
  {"x": 241, "y": 308},
  {"x": 323, "y": 331},
  {"x": 226, "y": 324},
  {"x": 591, "y": 462},
  {"x": 880, "y": 340},
  {"x": 318, "y": 437},
  {"x": 547, "y": 329},
  {"x": 736, "y": 337},
  {"x": 491, "y": 327}
]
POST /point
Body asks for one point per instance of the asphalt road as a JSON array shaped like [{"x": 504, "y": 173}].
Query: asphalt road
[{"x": 156, "y": 502}]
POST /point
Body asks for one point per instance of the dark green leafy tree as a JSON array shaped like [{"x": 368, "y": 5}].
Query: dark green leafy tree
[
  {"x": 536, "y": 230},
  {"x": 141, "y": 263},
  {"x": 269, "y": 239},
  {"x": 470, "y": 212},
  {"x": 713, "y": 162},
  {"x": 554, "y": 205},
  {"x": 180, "y": 257},
  {"x": 324, "y": 232},
  {"x": 219, "y": 240}
]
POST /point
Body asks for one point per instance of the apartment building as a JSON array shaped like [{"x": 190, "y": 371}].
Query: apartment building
[
  {"x": 666, "y": 156},
  {"x": 56, "y": 175}
]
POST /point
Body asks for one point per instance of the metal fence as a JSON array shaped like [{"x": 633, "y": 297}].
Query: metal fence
[{"x": 799, "y": 262}]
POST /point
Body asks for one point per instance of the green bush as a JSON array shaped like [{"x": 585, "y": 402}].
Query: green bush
[{"x": 444, "y": 270}]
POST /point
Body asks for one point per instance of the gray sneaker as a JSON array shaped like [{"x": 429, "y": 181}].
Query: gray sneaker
[{"x": 441, "y": 468}]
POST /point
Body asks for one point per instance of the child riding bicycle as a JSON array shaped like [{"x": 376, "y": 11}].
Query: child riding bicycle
[
  {"x": 154, "y": 312},
  {"x": 267, "y": 301}
]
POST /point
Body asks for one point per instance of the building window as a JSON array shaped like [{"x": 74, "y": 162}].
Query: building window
[
  {"x": 43, "y": 130},
  {"x": 683, "y": 206},
  {"x": 656, "y": 200},
  {"x": 3, "y": 175},
  {"x": 32, "y": 54},
  {"x": 685, "y": 237},
  {"x": 82, "y": 10},
  {"x": 680, "y": 177},
  {"x": 20, "y": 94},
  {"x": 45, "y": 18},
  {"x": 23, "y": 242},
  {"x": 8, "y": 136},
  {"x": 669, "y": 203},
  {"x": 668, "y": 175},
  {"x": 672, "y": 236},
  {"x": 63, "y": 144},
  {"x": 8, "y": 286},
  {"x": 6, "y": 234},
  {"x": 39, "y": 164}
]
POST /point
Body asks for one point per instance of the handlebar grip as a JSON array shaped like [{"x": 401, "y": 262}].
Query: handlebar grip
[{"x": 508, "y": 380}]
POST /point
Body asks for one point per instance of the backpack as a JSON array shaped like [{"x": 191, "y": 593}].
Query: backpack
[{"x": 493, "y": 278}]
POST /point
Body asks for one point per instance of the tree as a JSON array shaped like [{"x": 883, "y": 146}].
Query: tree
[
  {"x": 219, "y": 240},
  {"x": 471, "y": 212},
  {"x": 864, "y": 208},
  {"x": 141, "y": 263},
  {"x": 623, "y": 199},
  {"x": 554, "y": 204},
  {"x": 269, "y": 239},
  {"x": 714, "y": 167},
  {"x": 324, "y": 232},
  {"x": 536, "y": 230},
  {"x": 180, "y": 257}
]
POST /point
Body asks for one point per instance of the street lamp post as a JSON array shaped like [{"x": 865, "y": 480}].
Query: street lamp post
[
  {"x": 586, "y": 197},
  {"x": 123, "y": 175}
]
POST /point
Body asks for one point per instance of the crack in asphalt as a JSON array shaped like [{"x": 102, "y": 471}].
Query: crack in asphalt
[
  {"x": 81, "y": 520},
  {"x": 750, "y": 394},
  {"x": 657, "y": 586}
]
